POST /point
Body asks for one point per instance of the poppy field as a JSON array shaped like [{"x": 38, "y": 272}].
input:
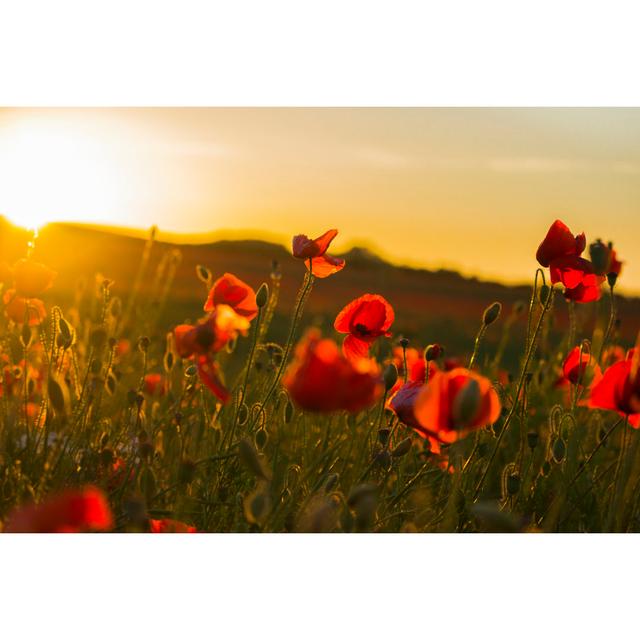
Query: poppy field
[{"x": 115, "y": 422}]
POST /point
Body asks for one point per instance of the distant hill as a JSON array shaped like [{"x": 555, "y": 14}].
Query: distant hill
[{"x": 430, "y": 305}]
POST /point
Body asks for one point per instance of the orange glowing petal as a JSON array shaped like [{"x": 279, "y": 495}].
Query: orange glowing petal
[
  {"x": 354, "y": 348},
  {"x": 305, "y": 248},
  {"x": 235, "y": 293},
  {"x": 20, "y": 309},
  {"x": 325, "y": 266}
]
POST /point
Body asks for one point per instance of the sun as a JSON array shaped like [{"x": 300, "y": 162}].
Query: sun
[{"x": 52, "y": 171}]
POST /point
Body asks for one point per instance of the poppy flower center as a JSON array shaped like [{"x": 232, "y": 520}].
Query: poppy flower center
[{"x": 362, "y": 329}]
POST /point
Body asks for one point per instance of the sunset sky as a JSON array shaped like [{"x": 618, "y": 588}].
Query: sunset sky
[{"x": 470, "y": 189}]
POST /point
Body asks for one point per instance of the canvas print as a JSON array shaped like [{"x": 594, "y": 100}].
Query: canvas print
[{"x": 329, "y": 320}]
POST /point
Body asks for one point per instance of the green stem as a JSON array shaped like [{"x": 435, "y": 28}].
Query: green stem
[{"x": 519, "y": 388}]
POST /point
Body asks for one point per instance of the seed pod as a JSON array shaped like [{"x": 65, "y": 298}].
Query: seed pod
[
  {"x": 491, "y": 313},
  {"x": 262, "y": 297},
  {"x": 403, "y": 342},
  {"x": 390, "y": 376},
  {"x": 402, "y": 448},
  {"x": 532, "y": 439}
]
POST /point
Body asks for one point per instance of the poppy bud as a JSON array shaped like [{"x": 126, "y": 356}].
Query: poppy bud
[
  {"x": 513, "y": 484},
  {"x": 191, "y": 371},
  {"x": 546, "y": 468},
  {"x": 110, "y": 383},
  {"x": 558, "y": 450},
  {"x": 243, "y": 413},
  {"x": 262, "y": 297},
  {"x": 433, "y": 352},
  {"x": 65, "y": 330},
  {"x": 143, "y": 344},
  {"x": 491, "y": 314},
  {"x": 204, "y": 275},
  {"x": 402, "y": 448},
  {"x": 403, "y": 342},
  {"x": 331, "y": 482},
  {"x": 390, "y": 376},
  {"x": 260, "y": 438},
  {"x": 383, "y": 436},
  {"x": 26, "y": 335},
  {"x": 612, "y": 278},
  {"x": 466, "y": 403},
  {"x": 543, "y": 293},
  {"x": 288, "y": 412},
  {"x": 115, "y": 307},
  {"x": 532, "y": 439},
  {"x": 600, "y": 255}
]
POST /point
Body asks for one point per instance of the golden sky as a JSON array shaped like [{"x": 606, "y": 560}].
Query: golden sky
[{"x": 470, "y": 189}]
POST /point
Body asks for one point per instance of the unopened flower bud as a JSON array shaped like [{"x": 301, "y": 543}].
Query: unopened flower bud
[
  {"x": 612, "y": 278},
  {"x": 543, "y": 294},
  {"x": 143, "y": 344},
  {"x": 532, "y": 439},
  {"x": 433, "y": 352},
  {"x": 513, "y": 484},
  {"x": 558, "y": 450},
  {"x": 390, "y": 376},
  {"x": 491, "y": 313},
  {"x": 600, "y": 255},
  {"x": 262, "y": 297},
  {"x": 402, "y": 448},
  {"x": 403, "y": 342}
]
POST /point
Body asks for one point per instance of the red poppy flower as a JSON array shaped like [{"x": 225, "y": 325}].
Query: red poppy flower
[
  {"x": 32, "y": 278},
  {"x": 235, "y": 293},
  {"x": 581, "y": 283},
  {"x": 166, "y": 525},
  {"x": 71, "y": 511},
  {"x": 581, "y": 370},
  {"x": 211, "y": 334},
  {"x": 365, "y": 319},
  {"x": 209, "y": 373},
  {"x": 455, "y": 403},
  {"x": 402, "y": 404},
  {"x": 20, "y": 309},
  {"x": 619, "y": 389},
  {"x": 155, "y": 384},
  {"x": 314, "y": 253},
  {"x": 321, "y": 379},
  {"x": 558, "y": 243},
  {"x": 416, "y": 367}
]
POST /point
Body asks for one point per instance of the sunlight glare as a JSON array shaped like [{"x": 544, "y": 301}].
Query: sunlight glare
[{"x": 49, "y": 172}]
